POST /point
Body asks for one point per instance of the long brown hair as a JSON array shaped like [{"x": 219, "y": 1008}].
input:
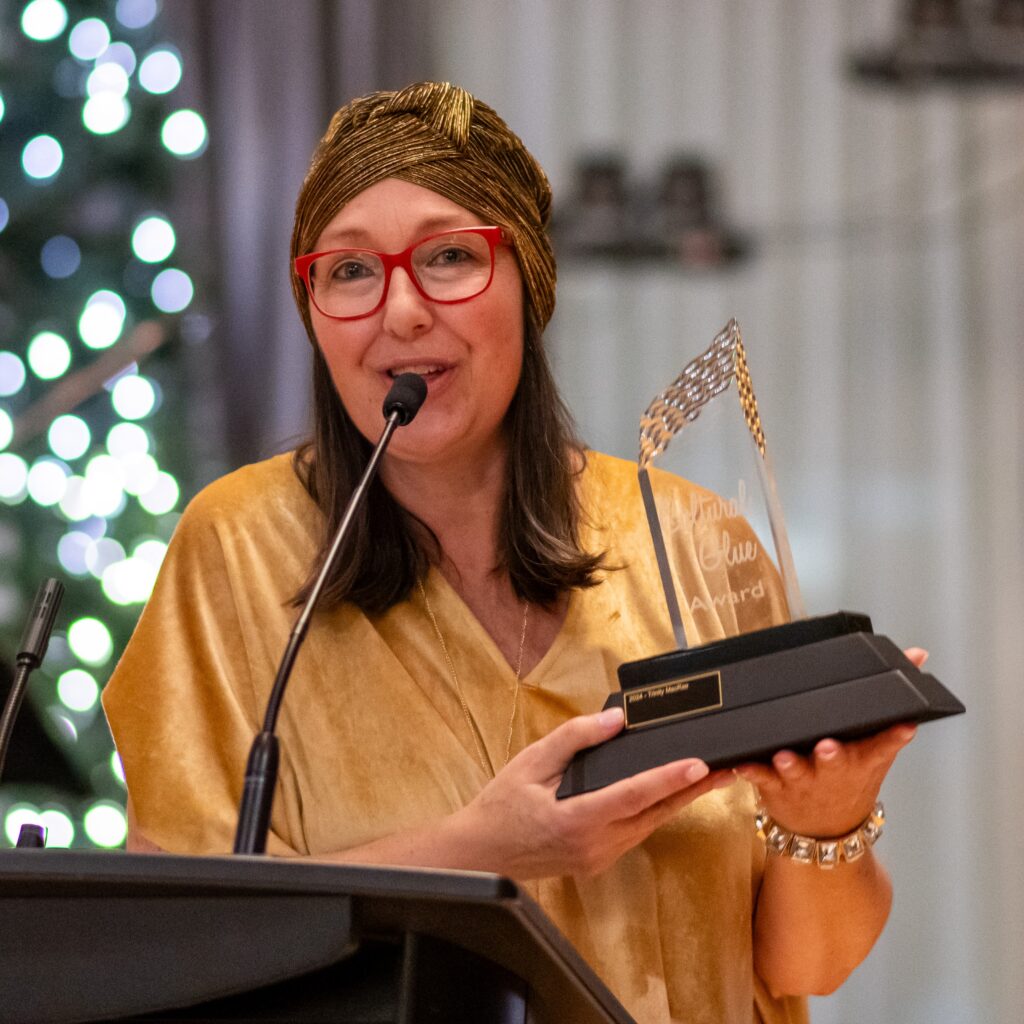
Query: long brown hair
[{"x": 388, "y": 548}]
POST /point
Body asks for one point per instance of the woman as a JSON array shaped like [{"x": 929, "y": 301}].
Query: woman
[{"x": 499, "y": 576}]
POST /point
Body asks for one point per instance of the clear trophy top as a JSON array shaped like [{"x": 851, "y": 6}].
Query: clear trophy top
[{"x": 722, "y": 453}]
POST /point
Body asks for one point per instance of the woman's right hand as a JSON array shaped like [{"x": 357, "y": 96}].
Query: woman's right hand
[{"x": 517, "y": 827}]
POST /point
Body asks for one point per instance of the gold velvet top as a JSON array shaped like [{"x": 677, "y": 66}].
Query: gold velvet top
[{"x": 374, "y": 739}]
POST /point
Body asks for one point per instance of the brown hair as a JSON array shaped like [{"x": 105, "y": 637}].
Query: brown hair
[{"x": 440, "y": 137}]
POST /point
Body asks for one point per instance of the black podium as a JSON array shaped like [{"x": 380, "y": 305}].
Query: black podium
[{"x": 122, "y": 937}]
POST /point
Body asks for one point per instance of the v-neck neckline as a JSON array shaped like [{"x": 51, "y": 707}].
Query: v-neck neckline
[{"x": 438, "y": 583}]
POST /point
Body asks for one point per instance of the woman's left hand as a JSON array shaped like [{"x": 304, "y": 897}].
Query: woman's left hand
[{"x": 830, "y": 792}]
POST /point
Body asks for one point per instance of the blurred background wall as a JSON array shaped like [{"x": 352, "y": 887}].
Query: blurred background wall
[{"x": 869, "y": 239}]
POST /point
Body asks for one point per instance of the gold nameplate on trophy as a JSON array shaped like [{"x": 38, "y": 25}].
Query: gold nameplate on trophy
[{"x": 671, "y": 699}]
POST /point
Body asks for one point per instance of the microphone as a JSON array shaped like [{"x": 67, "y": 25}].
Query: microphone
[
  {"x": 406, "y": 396},
  {"x": 401, "y": 404},
  {"x": 31, "y": 652}
]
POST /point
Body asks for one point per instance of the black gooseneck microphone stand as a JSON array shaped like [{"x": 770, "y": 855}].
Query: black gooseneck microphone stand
[
  {"x": 402, "y": 403},
  {"x": 31, "y": 652}
]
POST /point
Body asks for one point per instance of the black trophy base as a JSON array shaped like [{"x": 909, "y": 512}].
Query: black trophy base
[{"x": 745, "y": 698}]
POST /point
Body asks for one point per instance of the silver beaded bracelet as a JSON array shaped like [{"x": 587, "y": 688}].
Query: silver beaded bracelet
[{"x": 825, "y": 853}]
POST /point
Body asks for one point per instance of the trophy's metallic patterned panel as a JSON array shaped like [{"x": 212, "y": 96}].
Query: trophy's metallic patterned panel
[
  {"x": 746, "y": 391},
  {"x": 702, "y": 379}
]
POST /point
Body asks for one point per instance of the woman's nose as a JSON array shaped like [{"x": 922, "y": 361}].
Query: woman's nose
[{"x": 406, "y": 312}]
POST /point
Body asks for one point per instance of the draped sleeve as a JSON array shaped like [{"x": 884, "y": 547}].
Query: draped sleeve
[{"x": 182, "y": 703}]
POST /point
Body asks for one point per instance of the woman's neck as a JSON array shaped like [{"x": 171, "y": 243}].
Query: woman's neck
[{"x": 460, "y": 502}]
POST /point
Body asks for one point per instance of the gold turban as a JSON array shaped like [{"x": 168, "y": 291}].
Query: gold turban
[{"x": 435, "y": 135}]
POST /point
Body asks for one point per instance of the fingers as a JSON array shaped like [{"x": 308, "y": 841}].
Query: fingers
[
  {"x": 756, "y": 774},
  {"x": 831, "y": 788},
  {"x": 635, "y": 795},
  {"x": 549, "y": 757},
  {"x": 918, "y": 655},
  {"x": 829, "y": 754},
  {"x": 879, "y": 751}
]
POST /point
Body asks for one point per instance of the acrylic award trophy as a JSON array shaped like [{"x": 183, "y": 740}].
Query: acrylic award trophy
[{"x": 752, "y": 674}]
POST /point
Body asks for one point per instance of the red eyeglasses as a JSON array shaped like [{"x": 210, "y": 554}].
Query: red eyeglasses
[{"x": 449, "y": 267}]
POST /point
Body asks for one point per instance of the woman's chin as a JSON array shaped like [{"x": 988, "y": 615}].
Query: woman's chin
[{"x": 435, "y": 445}]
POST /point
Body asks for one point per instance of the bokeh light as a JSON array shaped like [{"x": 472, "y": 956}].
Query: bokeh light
[
  {"x": 81, "y": 469},
  {"x": 153, "y": 239},
  {"x": 108, "y": 77},
  {"x": 129, "y": 581},
  {"x": 102, "y": 319},
  {"x": 64, "y": 724},
  {"x": 162, "y": 496},
  {"x": 44, "y": 20},
  {"x": 60, "y": 256},
  {"x": 140, "y": 472},
  {"x": 49, "y": 355},
  {"x": 12, "y": 374},
  {"x": 120, "y": 54},
  {"x": 101, "y": 554},
  {"x": 184, "y": 133},
  {"x": 13, "y": 478},
  {"x": 11, "y": 600},
  {"x": 60, "y": 831},
  {"x": 90, "y": 641},
  {"x": 105, "y": 825},
  {"x": 160, "y": 71},
  {"x": 135, "y": 13},
  {"x": 77, "y": 690},
  {"x": 69, "y": 78},
  {"x": 133, "y": 397},
  {"x": 69, "y": 437},
  {"x": 151, "y": 551},
  {"x": 18, "y": 815},
  {"x": 89, "y": 38},
  {"x": 105, "y": 113},
  {"x": 47, "y": 481},
  {"x": 172, "y": 290},
  {"x": 73, "y": 505},
  {"x": 103, "y": 492},
  {"x": 71, "y": 550},
  {"x": 124, "y": 439},
  {"x": 105, "y": 467},
  {"x": 42, "y": 157}
]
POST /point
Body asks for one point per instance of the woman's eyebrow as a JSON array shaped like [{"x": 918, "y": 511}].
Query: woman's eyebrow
[{"x": 432, "y": 225}]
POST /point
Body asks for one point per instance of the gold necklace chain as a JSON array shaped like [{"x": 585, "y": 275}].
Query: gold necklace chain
[{"x": 480, "y": 752}]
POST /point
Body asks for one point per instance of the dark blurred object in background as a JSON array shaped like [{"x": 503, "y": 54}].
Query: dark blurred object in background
[
  {"x": 677, "y": 222},
  {"x": 950, "y": 41},
  {"x": 597, "y": 222},
  {"x": 686, "y": 224}
]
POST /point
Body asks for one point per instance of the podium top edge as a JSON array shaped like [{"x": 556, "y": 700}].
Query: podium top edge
[{"x": 250, "y": 873}]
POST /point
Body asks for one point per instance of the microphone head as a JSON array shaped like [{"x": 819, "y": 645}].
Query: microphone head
[{"x": 405, "y": 398}]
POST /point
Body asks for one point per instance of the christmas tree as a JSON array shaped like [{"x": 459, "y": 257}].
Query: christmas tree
[{"x": 91, "y": 289}]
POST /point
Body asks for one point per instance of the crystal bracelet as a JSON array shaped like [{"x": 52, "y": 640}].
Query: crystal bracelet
[{"x": 826, "y": 853}]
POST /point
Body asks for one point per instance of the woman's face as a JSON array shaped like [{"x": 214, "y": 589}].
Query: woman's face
[{"x": 470, "y": 353}]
